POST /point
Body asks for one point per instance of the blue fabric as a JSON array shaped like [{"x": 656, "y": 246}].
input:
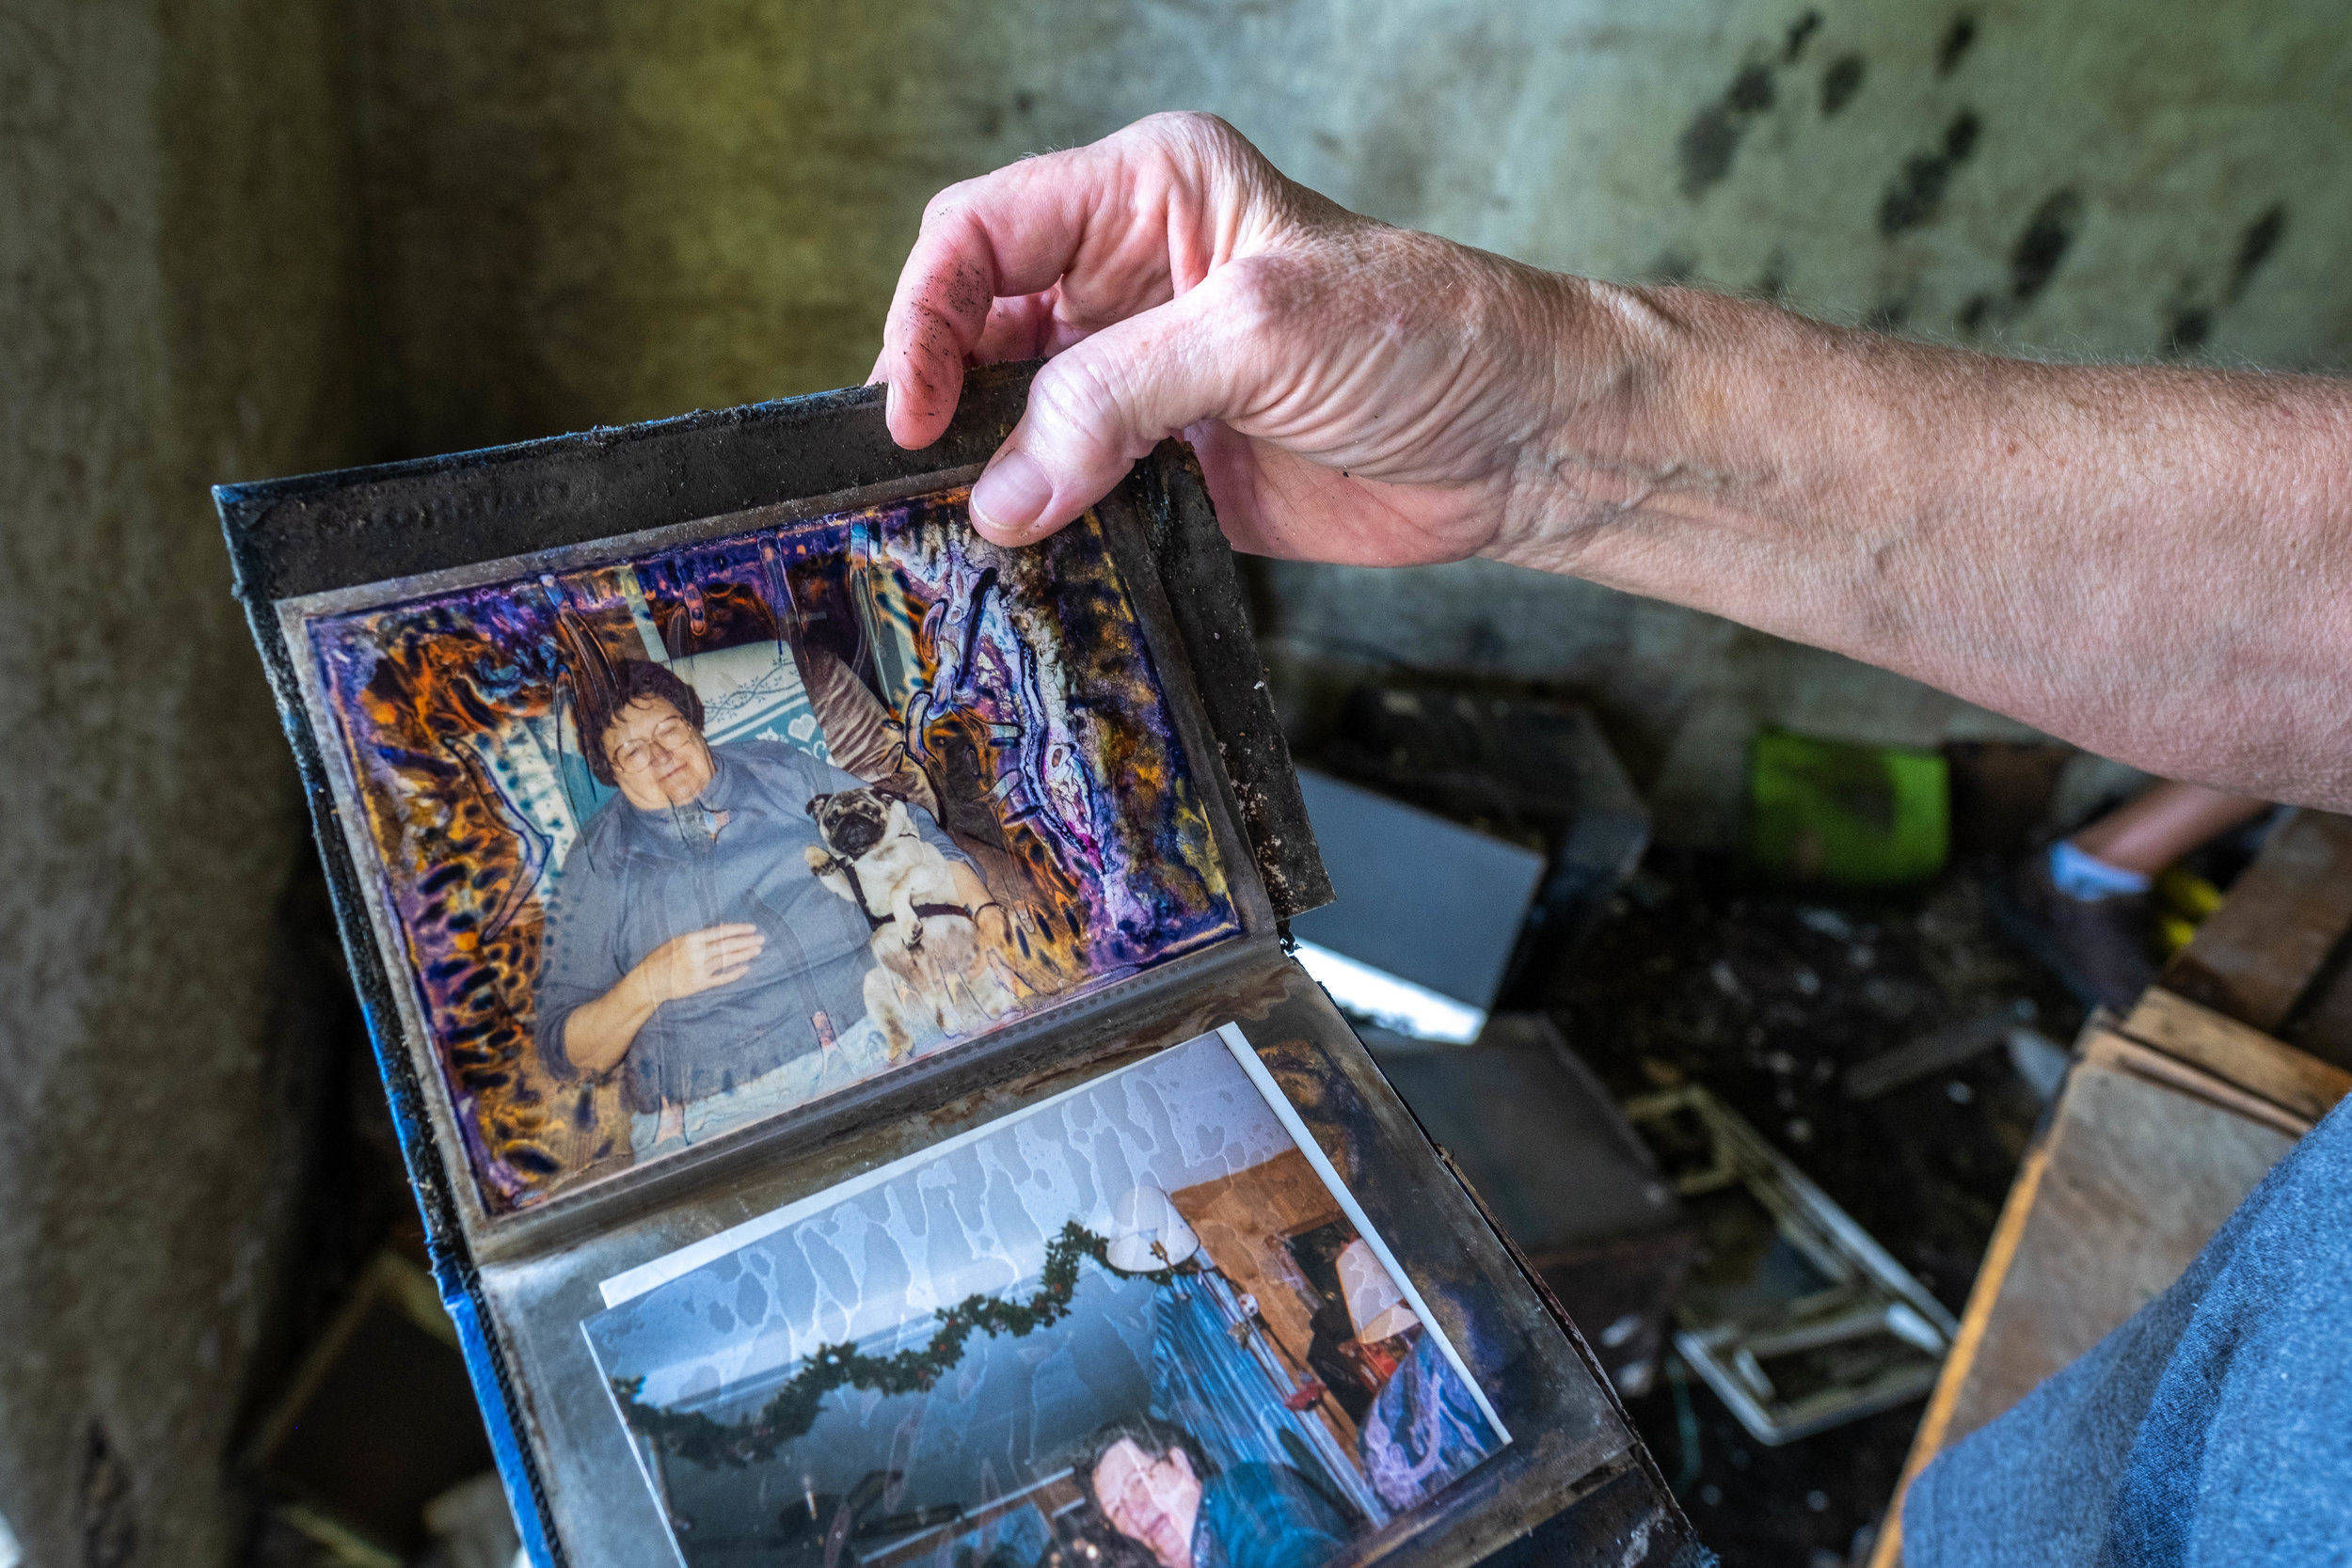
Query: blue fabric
[
  {"x": 636, "y": 879},
  {"x": 1425, "y": 1429},
  {"x": 1204, "y": 1381},
  {"x": 2214, "y": 1427},
  {"x": 1263, "y": 1517}
]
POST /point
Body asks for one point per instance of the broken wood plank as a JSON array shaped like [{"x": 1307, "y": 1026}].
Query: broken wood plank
[
  {"x": 2130, "y": 1181},
  {"x": 2105, "y": 1048},
  {"x": 2256, "y": 956},
  {"x": 2321, "y": 1024},
  {"x": 2139, "y": 1178},
  {"x": 2286, "y": 1077}
]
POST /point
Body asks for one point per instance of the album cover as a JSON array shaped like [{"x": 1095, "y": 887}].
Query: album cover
[{"x": 829, "y": 975}]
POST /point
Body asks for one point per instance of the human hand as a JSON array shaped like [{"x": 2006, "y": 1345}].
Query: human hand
[
  {"x": 699, "y": 960},
  {"x": 1355, "y": 392}
]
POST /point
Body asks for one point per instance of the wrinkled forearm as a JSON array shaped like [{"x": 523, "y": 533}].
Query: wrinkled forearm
[{"x": 2154, "y": 563}]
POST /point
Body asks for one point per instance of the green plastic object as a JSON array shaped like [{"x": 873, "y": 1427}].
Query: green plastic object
[{"x": 1829, "y": 811}]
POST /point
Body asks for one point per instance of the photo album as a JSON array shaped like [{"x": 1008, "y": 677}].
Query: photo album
[{"x": 830, "y": 975}]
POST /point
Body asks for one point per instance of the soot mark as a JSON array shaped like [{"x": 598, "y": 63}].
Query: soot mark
[
  {"x": 1673, "y": 266},
  {"x": 2254, "y": 246},
  {"x": 2186, "y": 328},
  {"x": 1957, "y": 38},
  {"x": 1800, "y": 34},
  {"x": 1839, "y": 83},
  {"x": 2042, "y": 245},
  {"x": 1918, "y": 190},
  {"x": 1708, "y": 142},
  {"x": 2048, "y": 236},
  {"x": 2189, "y": 321},
  {"x": 102, "y": 1504}
]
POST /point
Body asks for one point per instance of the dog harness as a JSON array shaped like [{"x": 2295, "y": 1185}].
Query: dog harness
[{"x": 876, "y": 921}]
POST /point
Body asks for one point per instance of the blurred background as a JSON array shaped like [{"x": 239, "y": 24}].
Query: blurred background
[{"x": 243, "y": 238}]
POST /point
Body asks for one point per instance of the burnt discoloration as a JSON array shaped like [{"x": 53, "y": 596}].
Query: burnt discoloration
[
  {"x": 1672, "y": 267},
  {"x": 1840, "y": 82},
  {"x": 1197, "y": 571},
  {"x": 1709, "y": 141},
  {"x": 1750, "y": 91},
  {"x": 2048, "y": 236},
  {"x": 102, "y": 1504},
  {"x": 2186, "y": 328},
  {"x": 1917, "y": 193},
  {"x": 1800, "y": 34},
  {"x": 2254, "y": 247},
  {"x": 2190, "y": 317},
  {"x": 1958, "y": 38}
]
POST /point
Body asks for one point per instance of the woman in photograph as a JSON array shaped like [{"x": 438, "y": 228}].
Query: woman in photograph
[{"x": 691, "y": 946}]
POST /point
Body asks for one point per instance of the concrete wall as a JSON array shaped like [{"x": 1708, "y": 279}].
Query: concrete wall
[
  {"x": 593, "y": 211},
  {"x": 173, "y": 249}
]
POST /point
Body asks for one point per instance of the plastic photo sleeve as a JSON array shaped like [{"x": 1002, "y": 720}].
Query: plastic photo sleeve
[
  {"x": 670, "y": 844},
  {"x": 1139, "y": 1323}
]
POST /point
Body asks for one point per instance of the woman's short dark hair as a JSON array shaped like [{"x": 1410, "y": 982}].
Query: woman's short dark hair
[
  {"x": 1152, "y": 1437},
  {"x": 633, "y": 680}
]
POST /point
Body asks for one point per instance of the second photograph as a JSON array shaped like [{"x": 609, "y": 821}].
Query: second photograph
[{"x": 1140, "y": 1322}]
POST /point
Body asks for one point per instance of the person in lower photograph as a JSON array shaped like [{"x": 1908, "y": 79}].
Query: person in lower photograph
[
  {"x": 1132, "y": 1324},
  {"x": 743, "y": 928}
]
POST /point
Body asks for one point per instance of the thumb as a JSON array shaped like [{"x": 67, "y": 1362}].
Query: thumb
[{"x": 1109, "y": 399}]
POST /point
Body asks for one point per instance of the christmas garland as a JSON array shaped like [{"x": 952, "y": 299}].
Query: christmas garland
[{"x": 755, "y": 1439}]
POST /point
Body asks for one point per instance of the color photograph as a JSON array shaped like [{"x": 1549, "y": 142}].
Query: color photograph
[
  {"x": 1141, "y": 1323},
  {"x": 676, "y": 844}
]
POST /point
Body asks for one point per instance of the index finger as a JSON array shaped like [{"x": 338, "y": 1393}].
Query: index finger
[
  {"x": 1123, "y": 225},
  {"x": 1012, "y": 232}
]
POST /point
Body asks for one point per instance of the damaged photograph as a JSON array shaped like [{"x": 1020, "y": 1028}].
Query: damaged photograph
[
  {"x": 1141, "y": 1323},
  {"x": 672, "y": 843}
]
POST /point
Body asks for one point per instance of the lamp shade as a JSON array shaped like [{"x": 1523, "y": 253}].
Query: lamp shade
[
  {"x": 1147, "y": 1232},
  {"x": 1375, "y": 1304}
]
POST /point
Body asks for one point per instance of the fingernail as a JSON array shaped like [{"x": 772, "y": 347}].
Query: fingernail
[{"x": 1010, "y": 493}]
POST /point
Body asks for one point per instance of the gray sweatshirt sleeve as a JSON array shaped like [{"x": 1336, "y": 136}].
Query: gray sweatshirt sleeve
[{"x": 581, "y": 957}]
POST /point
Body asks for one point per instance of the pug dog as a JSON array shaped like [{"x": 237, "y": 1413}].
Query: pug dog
[{"x": 931, "y": 971}]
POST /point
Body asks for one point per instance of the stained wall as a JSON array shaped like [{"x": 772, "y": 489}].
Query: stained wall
[
  {"x": 172, "y": 255},
  {"x": 604, "y": 211}
]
